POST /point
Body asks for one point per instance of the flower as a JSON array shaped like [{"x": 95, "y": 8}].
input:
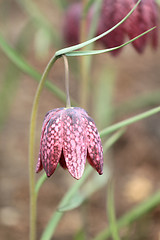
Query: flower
[
  {"x": 72, "y": 24},
  {"x": 69, "y": 136},
  {"x": 71, "y": 28},
  {"x": 144, "y": 17}
]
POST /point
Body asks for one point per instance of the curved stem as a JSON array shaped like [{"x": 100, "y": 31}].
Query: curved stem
[
  {"x": 128, "y": 121},
  {"x": 83, "y": 22},
  {"x": 83, "y": 69},
  {"x": 68, "y": 102},
  {"x": 31, "y": 150}
]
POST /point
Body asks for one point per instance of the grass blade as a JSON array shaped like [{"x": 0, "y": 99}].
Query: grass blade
[
  {"x": 95, "y": 52},
  {"x": 26, "y": 68},
  {"x": 129, "y": 121},
  {"x": 132, "y": 215},
  {"x": 111, "y": 211}
]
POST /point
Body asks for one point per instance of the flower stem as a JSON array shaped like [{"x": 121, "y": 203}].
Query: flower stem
[
  {"x": 68, "y": 102},
  {"x": 111, "y": 210},
  {"x": 128, "y": 121},
  {"x": 31, "y": 150},
  {"x": 84, "y": 88}
]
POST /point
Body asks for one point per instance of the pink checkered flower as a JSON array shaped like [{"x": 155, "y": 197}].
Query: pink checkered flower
[
  {"x": 69, "y": 136},
  {"x": 144, "y": 17}
]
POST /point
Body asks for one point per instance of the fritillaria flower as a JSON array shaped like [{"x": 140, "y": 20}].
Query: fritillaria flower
[
  {"x": 69, "y": 136},
  {"x": 71, "y": 28},
  {"x": 144, "y": 17}
]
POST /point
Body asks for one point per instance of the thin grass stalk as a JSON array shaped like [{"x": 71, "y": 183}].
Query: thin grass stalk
[
  {"x": 111, "y": 211},
  {"x": 31, "y": 150},
  {"x": 83, "y": 70},
  {"x": 132, "y": 215}
]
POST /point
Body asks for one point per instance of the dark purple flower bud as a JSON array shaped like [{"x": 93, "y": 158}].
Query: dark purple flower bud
[
  {"x": 142, "y": 19},
  {"x": 69, "y": 136},
  {"x": 71, "y": 29},
  {"x": 72, "y": 19}
]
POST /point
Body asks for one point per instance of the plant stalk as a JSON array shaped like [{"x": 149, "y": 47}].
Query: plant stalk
[
  {"x": 84, "y": 88},
  {"x": 66, "y": 67},
  {"x": 31, "y": 150}
]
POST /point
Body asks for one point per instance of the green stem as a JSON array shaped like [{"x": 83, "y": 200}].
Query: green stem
[
  {"x": 40, "y": 182},
  {"x": 136, "y": 103},
  {"x": 14, "y": 56},
  {"x": 84, "y": 78},
  {"x": 131, "y": 216},
  {"x": 111, "y": 211},
  {"x": 31, "y": 150},
  {"x": 129, "y": 121},
  {"x": 66, "y": 67},
  {"x": 50, "y": 228}
]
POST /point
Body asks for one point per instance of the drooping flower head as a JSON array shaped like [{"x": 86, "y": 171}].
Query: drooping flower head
[
  {"x": 69, "y": 136},
  {"x": 144, "y": 17},
  {"x": 71, "y": 28}
]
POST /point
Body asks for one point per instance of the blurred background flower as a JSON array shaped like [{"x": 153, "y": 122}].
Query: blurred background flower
[{"x": 142, "y": 19}]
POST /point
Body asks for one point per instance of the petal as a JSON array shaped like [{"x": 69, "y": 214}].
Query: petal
[
  {"x": 72, "y": 24},
  {"x": 112, "y": 13},
  {"x": 62, "y": 161},
  {"x": 95, "y": 150},
  {"x": 74, "y": 142},
  {"x": 52, "y": 144},
  {"x": 47, "y": 117},
  {"x": 50, "y": 114},
  {"x": 39, "y": 165}
]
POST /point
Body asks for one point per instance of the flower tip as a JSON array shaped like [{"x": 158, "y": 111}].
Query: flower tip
[
  {"x": 48, "y": 174},
  {"x": 101, "y": 172},
  {"x": 77, "y": 174},
  {"x": 39, "y": 166}
]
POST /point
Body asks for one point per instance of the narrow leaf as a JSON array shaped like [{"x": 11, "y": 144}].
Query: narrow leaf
[
  {"x": 75, "y": 202},
  {"x": 132, "y": 215},
  {"x": 114, "y": 138},
  {"x": 111, "y": 211},
  {"x": 26, "y": 68},
  {"x": 94, "y": 52},
  {"x": 129, "y": 121}
]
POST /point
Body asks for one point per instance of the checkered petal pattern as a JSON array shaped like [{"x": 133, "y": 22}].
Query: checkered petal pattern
[
  {"x": 69, "y": 136},
  {"x": 144, "y": 17}
]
